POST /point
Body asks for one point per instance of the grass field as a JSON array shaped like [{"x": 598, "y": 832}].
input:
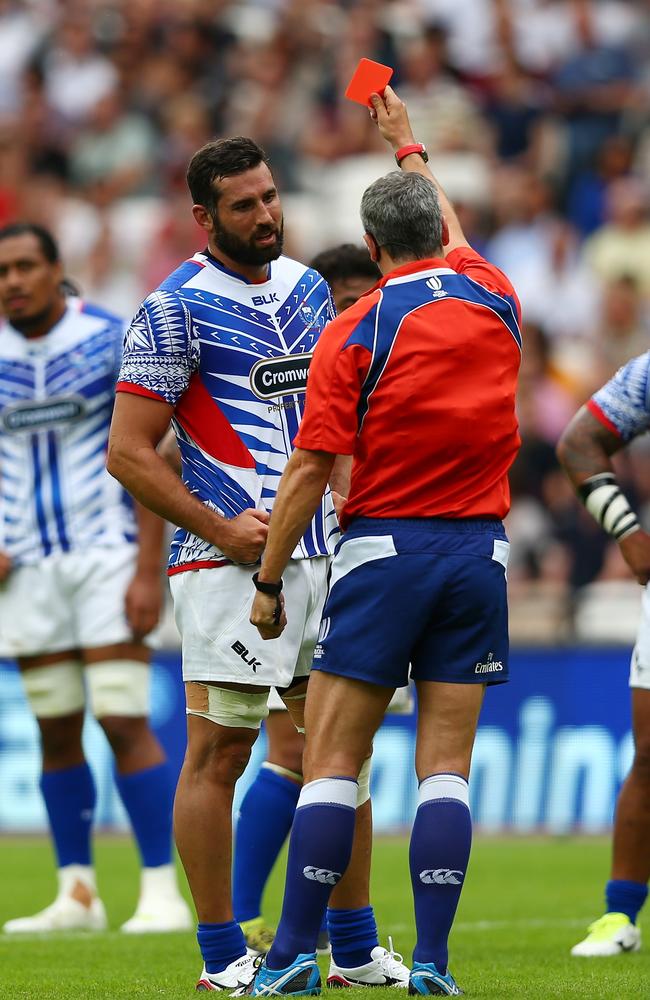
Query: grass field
[{"x": 526, "y": 902}]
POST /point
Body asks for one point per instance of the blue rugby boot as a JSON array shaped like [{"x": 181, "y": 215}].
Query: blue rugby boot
[
  {"x": 300, "y": 979},
  {"x": 425, "y": 979}
]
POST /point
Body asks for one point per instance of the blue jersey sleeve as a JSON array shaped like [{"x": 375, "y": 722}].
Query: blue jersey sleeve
[
  {"x": 623, "y": 401},
  {"x": 161, "y": 349}
]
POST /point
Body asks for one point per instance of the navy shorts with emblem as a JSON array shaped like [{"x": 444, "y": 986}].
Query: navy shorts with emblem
[{"x": 429, "y": 593}]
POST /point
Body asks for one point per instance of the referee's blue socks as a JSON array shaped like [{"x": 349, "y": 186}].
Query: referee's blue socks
[
  {"x": 440, "y": 847},
  {"x": 319, "y": 853},
  {"x": 264, "y": 822}
]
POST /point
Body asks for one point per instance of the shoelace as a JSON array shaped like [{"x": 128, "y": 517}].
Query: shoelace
[{"x": 392, "y": 959}]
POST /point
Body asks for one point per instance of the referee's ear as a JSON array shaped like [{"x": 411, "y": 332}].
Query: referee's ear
[{"x": 373, "y": 247}]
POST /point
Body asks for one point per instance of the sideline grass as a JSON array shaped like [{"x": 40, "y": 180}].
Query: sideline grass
[{"x": 526, "y": 902}]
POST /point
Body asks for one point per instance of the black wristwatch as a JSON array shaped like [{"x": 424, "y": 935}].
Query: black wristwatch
[{"x": 272, "y": 589}]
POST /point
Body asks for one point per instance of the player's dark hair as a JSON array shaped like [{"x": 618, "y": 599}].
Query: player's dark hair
[
  {"x": 344, "y": 262},
  {"x": 47, "y": 242},
  {"x": 217, "y": 159}
]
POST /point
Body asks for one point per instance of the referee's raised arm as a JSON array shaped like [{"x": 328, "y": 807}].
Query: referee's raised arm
[{"x": 393, "y": 122}]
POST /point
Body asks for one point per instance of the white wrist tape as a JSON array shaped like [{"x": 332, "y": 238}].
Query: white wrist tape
[{"x": 606, "y": 503}]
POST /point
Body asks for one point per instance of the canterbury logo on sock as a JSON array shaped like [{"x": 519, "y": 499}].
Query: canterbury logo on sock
[
  {"x": 323, "y": 875},
  {"x": 441, "y": 876}
]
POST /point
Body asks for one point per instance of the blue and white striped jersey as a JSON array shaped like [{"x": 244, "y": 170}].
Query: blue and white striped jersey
[
  {"x": 232, "y": 357},
  {"x": 623, "y": 403},
  {"x": 56, "y": 402}
]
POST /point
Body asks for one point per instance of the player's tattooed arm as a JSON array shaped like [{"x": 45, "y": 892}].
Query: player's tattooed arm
[
  {"x": 585, "y": 447},
  {"x": 584, "y": 450}
]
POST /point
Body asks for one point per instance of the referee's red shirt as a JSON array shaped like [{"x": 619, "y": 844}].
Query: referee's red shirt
[{"x": 417, "y": 381}]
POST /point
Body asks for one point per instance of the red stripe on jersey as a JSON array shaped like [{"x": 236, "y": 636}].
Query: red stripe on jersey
[
  {"x": 595, "y": 409},
  {"x": 200, "y": 417},
  {"x": 138, "y": 390},
  {"x": 199, "y": 564}
]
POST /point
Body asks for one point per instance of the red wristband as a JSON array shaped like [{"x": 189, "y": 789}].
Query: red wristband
[{"x": 414, "y": 147}]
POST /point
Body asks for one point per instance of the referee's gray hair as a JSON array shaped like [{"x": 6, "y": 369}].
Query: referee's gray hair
[{"x": 401, "y": 210}]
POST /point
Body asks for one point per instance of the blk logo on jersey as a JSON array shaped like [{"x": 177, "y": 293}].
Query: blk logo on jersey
[
  {"x": 266, "y": 300},
  {"x": 323, "y": 875},
  {"x": 281, "y": 376},
  {"x": 39, "y": 416},
  {"x": 441, "y": 876}
]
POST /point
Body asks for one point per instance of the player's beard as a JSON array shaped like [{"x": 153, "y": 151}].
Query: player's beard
[{"x": 246, "y": 251}]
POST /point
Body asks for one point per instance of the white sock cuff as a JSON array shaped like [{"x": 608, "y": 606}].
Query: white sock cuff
[
  {"x": 329, "y": 791},
  {"x": 443, "y": 786}
]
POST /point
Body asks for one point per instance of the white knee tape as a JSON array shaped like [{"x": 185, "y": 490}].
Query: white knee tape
[
  {"x": 364, "y": 782},
  {"x": 284, "y": 772},
  {"x": 118, "y": 687},
  {"x": 55, "y": 690},
  {"x": 225, "y": 707}
]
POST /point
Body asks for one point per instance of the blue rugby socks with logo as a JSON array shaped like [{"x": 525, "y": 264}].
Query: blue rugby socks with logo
[
  {"x": 319, "y": 853},
  {"x": 439, "y": 853}
]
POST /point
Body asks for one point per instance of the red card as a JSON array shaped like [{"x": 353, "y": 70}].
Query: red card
[{"x": 369, "y": 77}]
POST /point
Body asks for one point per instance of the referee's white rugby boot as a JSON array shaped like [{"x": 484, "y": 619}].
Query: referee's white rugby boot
[
  {"x": 161, "y": 909},
  {"x": 236, "y": 977},
  {"x": 77, "y": 907},
  {"x": 386, "y": 968},
  {"x": 612, "y": 934}
]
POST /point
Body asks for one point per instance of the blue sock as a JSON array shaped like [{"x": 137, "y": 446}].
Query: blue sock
[
  {"x": 624, "y": 896},
  {"x": 220, "y": 944},
  {"x": 70, "y": 797},
  {"x": 353, "y": 935},
  {"x": 440, "y": 845},
  {"x": 265, "y": 819},
  {"x": 319, "y": 852},
  {"x": 148, "y": 798}
]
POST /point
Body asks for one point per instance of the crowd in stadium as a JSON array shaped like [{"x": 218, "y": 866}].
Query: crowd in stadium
[{"x": 535, "y": 115}]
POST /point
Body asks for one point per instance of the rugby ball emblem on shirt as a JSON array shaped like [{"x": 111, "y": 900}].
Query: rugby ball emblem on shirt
[{"x": 281, "y": 376}]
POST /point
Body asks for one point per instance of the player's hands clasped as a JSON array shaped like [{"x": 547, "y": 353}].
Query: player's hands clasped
[
  {"x": 5, "y": 566},
  {"x": 392, "y": 118},
  {"x": 143, "y": 603},
  {"x": 636, "y": 552},
  {"x": 242, "y": 538},
  {"x": 264, "y": 613}
]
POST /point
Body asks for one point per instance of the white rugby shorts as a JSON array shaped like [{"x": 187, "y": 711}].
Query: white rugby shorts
[
  {"x": 69, "y": 600},
  {"x": 640, "y": 663},
  {"x": 212, "y": 609}
]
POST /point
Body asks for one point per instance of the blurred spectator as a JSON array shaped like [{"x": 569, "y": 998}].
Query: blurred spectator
[
  {"x": 622, "y": 246},
  {"x": 76, "y": 74},
  {"x": 113, "y": 156}
]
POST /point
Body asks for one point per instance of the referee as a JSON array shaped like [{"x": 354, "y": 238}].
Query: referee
[{"x": 417, "y": 382}]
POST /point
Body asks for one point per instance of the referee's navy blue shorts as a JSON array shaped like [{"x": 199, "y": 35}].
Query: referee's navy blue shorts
[{"x": 429, "y": 594}]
